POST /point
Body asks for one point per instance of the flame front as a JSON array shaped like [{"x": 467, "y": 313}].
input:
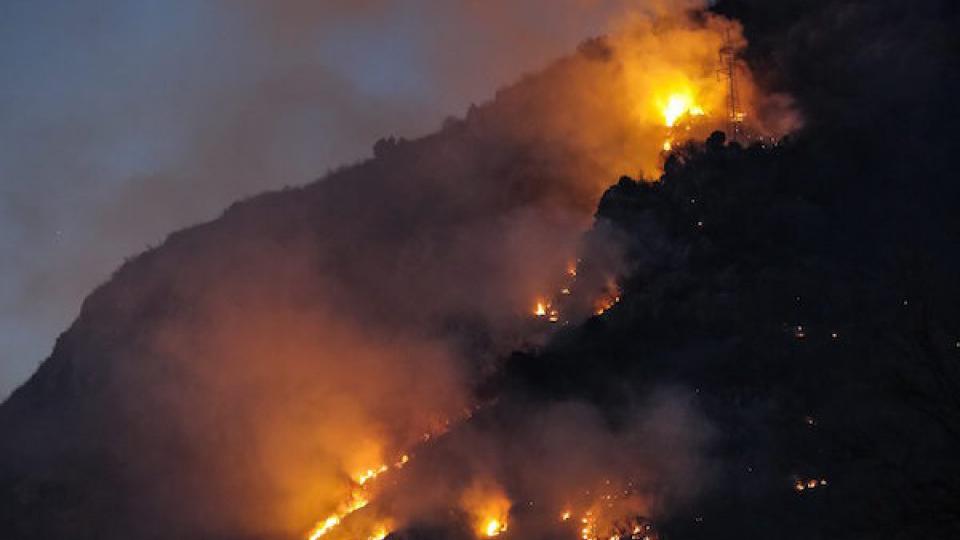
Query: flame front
[
  {"x": 359, "y": 498},
  {"x": 662, "y": 93},
  {"x": 362, "y": 484}
]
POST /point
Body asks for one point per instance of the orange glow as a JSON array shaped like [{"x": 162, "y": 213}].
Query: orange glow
[
  {"x": 324, "y": 527},
  {"x": 800, "y": 484},
  {"x": 677, "y": 106},
  {"x": 494, "y": 527},
  {"x": 380, "y": 531},
  {"x": 660, "y": 86},
  {"x": 602, "y": 304},
  {"x": 489, "y": 508},
  {"x": 369, "y": 474},
  {"x": 357, "y": 501},
  {"x": 358, "y": 498}
]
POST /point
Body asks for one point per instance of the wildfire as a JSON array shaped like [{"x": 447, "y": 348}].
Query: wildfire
[
  {"x": 362, "y": 481},
  {"x": 677, "y": 106},
  {"x": 489, "y": 508},
  {"x": 324, "y": 527},
  {"x": 370, "y": 474},
  {"x": 358, "y": 498},
  {"x": 610, "y": 297},
  {"x": 357, "y": 501},
  {"x": 545, "y": 309},
  {"x": 801, "y": 485},
  {"x": 609, "y": 513},
  {"x": 665, "y": 95},
  {"x": 494, "y": 527},
  {"x": 602, "y": 304},
  {"x": 380, "y": 531},
  {"x": 589, "y": 529},
  {"x": 674, "y": 109}
]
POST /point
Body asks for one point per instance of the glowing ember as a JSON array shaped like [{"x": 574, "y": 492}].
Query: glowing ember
[
  {"x": 541, "y": 309},
  {"x": 801, "y": 485},
  {"x": 610, "y": 513}
]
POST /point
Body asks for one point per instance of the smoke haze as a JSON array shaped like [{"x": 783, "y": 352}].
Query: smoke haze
[
  {"x": 123, "y": 121},
  {"x": 263, "y": 361}
]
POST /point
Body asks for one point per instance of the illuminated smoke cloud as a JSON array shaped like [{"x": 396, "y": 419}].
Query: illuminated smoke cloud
[{"x": 271, "y": 363}]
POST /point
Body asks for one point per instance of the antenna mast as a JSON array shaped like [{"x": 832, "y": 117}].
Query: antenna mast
[{"x": 728, "y": 71}]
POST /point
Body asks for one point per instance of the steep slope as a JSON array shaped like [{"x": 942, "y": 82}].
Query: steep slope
[
  {"x": 228, "y": 383},
  {"x": 236, "y": 380},
  {"x": 819, "y": 350}
]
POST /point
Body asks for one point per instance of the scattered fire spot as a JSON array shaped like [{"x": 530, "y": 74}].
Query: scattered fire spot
[{"x": 801, "y": 485}]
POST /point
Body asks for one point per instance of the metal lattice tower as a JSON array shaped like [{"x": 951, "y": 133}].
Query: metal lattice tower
[{"x": 728, "y": 70}]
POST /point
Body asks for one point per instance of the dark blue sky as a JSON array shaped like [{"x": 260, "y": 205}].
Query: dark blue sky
[{"x": 121, "y": 121}]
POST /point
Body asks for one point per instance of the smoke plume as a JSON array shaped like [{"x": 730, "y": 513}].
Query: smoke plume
[{"x": 259, "y": 370}]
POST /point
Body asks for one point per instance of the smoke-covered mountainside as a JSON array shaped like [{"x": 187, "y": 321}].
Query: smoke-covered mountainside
[
  {"x": 474, "y": 334},
  {"x": 828, "y": 375}
]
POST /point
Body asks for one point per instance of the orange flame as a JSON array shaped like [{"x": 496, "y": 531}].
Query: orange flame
[
  {"x": 488, "y": 507},
  {"x": 677, "y": 106}
]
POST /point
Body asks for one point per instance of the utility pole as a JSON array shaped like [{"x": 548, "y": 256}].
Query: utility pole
[{"x": 728, "y": 70}]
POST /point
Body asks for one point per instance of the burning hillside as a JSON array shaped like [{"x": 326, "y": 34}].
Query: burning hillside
[
  {"x": 472, "y": 336},
  {"x": 272, "y": 363}
]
